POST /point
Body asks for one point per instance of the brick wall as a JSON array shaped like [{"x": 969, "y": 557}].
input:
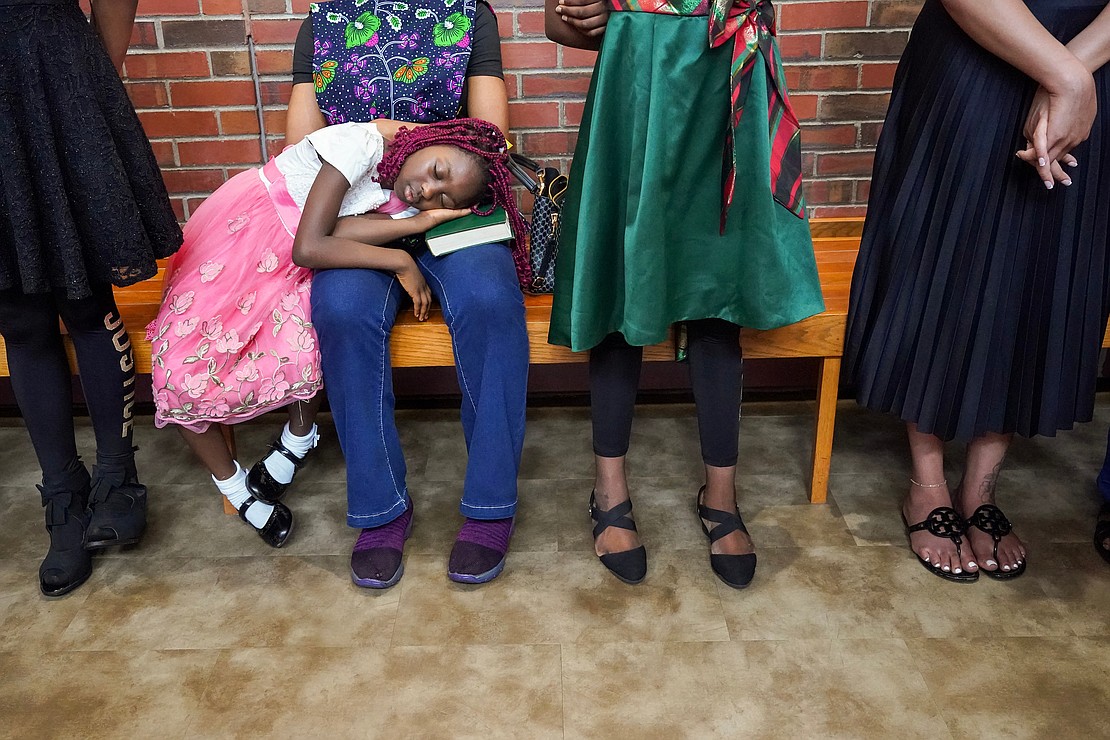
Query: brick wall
[{"x": 188, "y": 73}]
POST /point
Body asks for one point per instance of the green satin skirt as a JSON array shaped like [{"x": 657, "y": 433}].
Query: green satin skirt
[{"x": 641, "y": 247}]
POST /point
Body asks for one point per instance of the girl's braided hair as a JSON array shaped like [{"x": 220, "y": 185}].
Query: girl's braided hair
[{"x": 485, "y": 142}]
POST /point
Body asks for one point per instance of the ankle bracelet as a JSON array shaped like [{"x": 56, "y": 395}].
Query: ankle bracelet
[{"x": 942, "y": 484}]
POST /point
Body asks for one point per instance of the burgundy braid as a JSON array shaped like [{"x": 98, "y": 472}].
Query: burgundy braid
[{"x": 485, "y": 141}]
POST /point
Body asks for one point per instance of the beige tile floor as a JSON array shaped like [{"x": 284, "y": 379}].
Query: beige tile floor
[{"x": 202, "y": 631}]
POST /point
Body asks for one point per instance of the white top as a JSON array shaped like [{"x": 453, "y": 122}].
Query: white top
[{"x": 355, "y": 149}]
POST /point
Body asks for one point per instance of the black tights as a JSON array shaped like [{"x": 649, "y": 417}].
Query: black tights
[
  {"x": 716, "y": 376},
  {"x": 41, "y": 377}
]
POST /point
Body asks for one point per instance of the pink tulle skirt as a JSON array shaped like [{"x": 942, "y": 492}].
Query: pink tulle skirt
[{"x": 234, "y": 338}]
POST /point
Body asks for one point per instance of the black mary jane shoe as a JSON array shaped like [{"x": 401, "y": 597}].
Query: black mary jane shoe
[
  {"x": 262, "y": 485},
  {"x": 990, "y": 519},
  {"x": 945, "y": 523},
  {"x": 629, "y": 566},
  {"x": 117, "y": 510},
  {"x": 1102, "y": 532},
  {"x": 736, "y": 571},
  {"x": 277, "y": 528}
]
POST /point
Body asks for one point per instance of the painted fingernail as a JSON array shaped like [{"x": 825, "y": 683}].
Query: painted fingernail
[
  {"x": 1067, "y": 183},
  {"x": 1048, "y": 184},
  {"x": 1073, "y": 164},
  {"x": 1040, "y": 161}
]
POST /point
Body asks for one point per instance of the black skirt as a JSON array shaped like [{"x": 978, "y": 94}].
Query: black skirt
[
  {"x": 81, "y": 198},
  {"x": 980, "y": 298}
]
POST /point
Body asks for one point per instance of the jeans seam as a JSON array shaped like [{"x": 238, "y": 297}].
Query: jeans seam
[
  {"x": 450, "y": 316},
  {"x": 378, "y": 513},
  {"x": 381, "y": 391}
]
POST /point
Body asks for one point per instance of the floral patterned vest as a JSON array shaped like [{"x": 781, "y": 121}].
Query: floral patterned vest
[{"x": 384, "y": 59}]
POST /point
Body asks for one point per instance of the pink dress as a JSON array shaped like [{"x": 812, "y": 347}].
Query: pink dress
[{"x": 234, "y": 336}]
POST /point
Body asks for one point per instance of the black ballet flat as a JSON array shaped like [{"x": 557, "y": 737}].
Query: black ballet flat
[
  {"x": 262, "y": 485},
  {"x": 945, "y": 523},
  {"x": 1102, "y": 532},
  {"x": 990, "y": 519},
  {"x": 629, "y": 566},
  {"x": 736, "y": 571},
  {"x": 277, "y": 528}
]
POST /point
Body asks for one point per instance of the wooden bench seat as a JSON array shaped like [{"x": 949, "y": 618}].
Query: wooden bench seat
[{"x": 428, "y": 344}]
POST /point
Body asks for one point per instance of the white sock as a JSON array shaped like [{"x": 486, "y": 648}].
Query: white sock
[
  {"x": 235, "y": 488},
  {"x": 279, "y": 466}
]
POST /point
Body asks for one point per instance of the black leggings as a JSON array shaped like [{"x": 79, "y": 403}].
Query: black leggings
[
  {"x": 41, "y": 377},
  {"x": 716, "y": 376}
]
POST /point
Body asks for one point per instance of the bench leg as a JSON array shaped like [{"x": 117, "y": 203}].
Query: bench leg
[
  {"x": 827, "y": 389},
  {"x": 229, "y": 438}
]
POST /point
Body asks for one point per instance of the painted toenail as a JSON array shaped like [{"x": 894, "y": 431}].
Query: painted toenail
[
  {"x": 972, "y": 565},
  {"x": 1005, "y": 567},
  {"x": 946, "y": 569},
  {"x": 992, "y": 562},
  {"x": 958, "y": 571}
]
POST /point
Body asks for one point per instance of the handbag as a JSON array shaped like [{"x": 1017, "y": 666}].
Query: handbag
[{"x": 548, "y": 186}]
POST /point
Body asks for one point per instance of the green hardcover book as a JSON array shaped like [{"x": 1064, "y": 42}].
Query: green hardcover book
[{"x": 469, "y": 231}]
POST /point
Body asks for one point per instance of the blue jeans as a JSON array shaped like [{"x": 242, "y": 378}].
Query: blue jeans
[{"x": 354, "y": 312}]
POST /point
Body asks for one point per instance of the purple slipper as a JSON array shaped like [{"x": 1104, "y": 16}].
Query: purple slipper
[
  {"x": 480, "y": 550},
  {"x": 376, "y": 558}
]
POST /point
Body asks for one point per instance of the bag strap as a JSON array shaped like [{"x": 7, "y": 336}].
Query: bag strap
[{"x": 520, "y": 165}]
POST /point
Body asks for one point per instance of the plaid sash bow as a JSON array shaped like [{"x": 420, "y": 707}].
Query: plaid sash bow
[{"x": 750, "y": 24}]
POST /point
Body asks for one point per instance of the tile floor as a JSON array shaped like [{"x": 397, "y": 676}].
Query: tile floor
[{"x": 202, "y": 631}]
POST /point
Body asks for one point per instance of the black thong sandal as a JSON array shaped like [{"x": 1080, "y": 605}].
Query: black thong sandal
[
  {"x": 1102, "y": 532},
  {"x": 990, "y": 519},
  {"x": 943, "y": 522}
]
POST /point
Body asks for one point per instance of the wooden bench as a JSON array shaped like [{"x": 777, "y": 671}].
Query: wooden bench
[{"x": 428, "y": 344}]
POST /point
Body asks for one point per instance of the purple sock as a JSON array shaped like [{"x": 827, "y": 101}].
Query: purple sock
[
  {"x": 376, "y": 558},
  {"x": 480, "y": 550}
]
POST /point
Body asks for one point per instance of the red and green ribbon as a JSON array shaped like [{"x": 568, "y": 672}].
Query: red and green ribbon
[{"x": 750, "y": 24}]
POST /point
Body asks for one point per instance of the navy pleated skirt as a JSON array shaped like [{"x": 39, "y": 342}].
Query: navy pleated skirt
[{"x": 980, "y": 298}]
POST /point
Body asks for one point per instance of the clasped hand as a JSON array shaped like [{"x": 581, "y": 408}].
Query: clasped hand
[{"x": 1058, "y": 121}]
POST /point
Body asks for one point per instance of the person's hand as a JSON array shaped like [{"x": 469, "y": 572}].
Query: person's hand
[
  {"x": 412, "y": 280},
  {"x": 388, "y": 128},
  {"x": 436, "y": 216},
  {"x": 1058, "y": 121},
  {"x": 588, "y": 17}
]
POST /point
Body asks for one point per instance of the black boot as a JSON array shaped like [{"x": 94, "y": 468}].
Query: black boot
[
  {"x": 117, "y": 506},
  {"x": 67, "y": 564}
]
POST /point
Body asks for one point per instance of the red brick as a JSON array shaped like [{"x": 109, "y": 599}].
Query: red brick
[
  {"x": 806, "y": 16},
  {"x": 829, "y": 136},
  {"x": 222, "y": 7},
  {"x": 163, "y": 152},
  {"x": 863, "y": 191},
  {"x": 865, "y": 44},
  {"x": 165, "y": 65},
  {"x": 572, "y": 114},
  {"x": 854, "y": 107},
  {"x": 879, "y": 75},
  {"x": 212, "y": 93},
  {"x": 166, "y": 124},
  {"x": 238, "y": 151},
  {"x": 528, "y": 54},
  {"x": 235, "y": 122},
  {"x": 143, "y": 36},
  {"x": 555, "y": 142},
  {"x": 894, "y": 12},
  {"x": 524, "y": 114},
  {"x": 168, "y": 7},
  {"x": 530, "y": 23},
  {"x": 850, "y": 163},
  {"x": 271, "y": 7},
  {"x": 193, "y": 181},
  {"x": 504, "y": 25},
  {"x": 274, "y": 92},
  {"x": 300, "y": 7},
  {"x": 148, "y": 94},
  {"x": 828, "y": 192},
  {"x": 204, "y": 34},
  {"x": 825, "y": 77},
  {"x": 800, "y": 47},
  {"x": 578, "y": 57},
  {"x": 549, "y": 85},
  {"x": 275, "y": 32},
  {"x": 805, "y": 106},
  {"x": 178, "y": 206}
]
